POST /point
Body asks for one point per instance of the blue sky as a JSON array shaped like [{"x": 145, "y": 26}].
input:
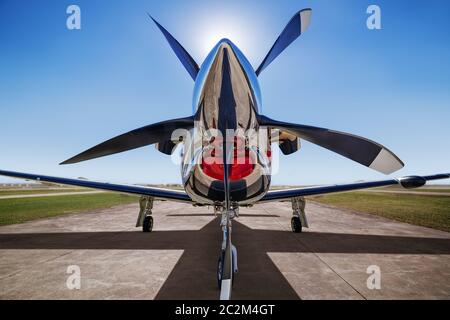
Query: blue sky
[{"x": 63, "y": 91}]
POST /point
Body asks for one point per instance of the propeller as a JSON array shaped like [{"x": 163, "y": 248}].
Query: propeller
[
  {"x": 154, "y": 133},
  {"x": 188, "y": 62},
  {"x": 359, "y": 149},
  {"x": 296, "y": 26}
]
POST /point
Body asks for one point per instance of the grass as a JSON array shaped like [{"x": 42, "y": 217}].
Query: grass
[
  {"x": 422, "y": 210},
  {"x": 440, "y": 189},
  {"x": 6, "y": 192},
  {"x": 24, "y": 209},
  {"x": 435, "y": 190}
]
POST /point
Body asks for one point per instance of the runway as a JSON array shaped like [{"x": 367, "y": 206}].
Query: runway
[{"x": 178, "y": 259}]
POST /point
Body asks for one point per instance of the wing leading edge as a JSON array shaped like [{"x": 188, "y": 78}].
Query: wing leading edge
[
  {"x": 158, "y": 193},
  {"x": 408, "y": 182}
]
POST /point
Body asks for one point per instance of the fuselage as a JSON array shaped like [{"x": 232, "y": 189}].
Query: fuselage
[{"x": 226, "y": 103}]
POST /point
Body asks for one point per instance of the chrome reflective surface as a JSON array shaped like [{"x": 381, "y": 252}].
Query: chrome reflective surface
[
  {"x": 226, "y": 96},
  {"x": 205, "y": 69}
]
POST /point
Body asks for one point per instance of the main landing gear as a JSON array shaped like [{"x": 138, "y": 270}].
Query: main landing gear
[
  {"x": 296, "y": 225},
  {"x": 227, "y": 264},
  {"x": 299, "y": 216},
  {"x": 145, "y": 219},
  {"x": 147, "y": 226}
]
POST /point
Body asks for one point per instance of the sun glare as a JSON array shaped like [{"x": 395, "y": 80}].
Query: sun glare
[{"x": 236, "y": 28}]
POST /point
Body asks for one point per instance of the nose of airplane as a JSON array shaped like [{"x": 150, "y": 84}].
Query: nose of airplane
[
  {"x": 224, "y": 45},
  {"x": 239, "y": 69},
  {"x": 244, "y": 70},
  {"x": 225, "y": 41},
  {"x": 211, "y": 69}
]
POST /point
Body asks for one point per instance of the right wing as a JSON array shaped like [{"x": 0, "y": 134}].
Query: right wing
[
  {"x": 158, "y": 193},
  {"x": 153, "y": 133},
  {"x": 408, "y": 182}
]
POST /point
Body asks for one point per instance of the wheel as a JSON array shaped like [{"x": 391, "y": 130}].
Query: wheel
[
  {"x": 147, "y": 226},
  {"x": 219, "y": 271},
  {"x": 296, "y": 224}
]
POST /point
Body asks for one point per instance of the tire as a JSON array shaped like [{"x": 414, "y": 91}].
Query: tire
[
  {"x": 219, "y": 272},
  {"x": 296, "y": 225},
  {"x": 147, "y": 226}
]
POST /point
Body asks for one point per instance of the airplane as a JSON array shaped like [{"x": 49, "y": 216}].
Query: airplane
[{"x": 229, "y": 171}]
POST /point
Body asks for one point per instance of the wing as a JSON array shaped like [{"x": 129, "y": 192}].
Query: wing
[
  {"x": 359, "y": 149},
  {"x": 158, "y": 193},
  {"x": 408, "y": 182},
  {"x": 154, "y": 133}
]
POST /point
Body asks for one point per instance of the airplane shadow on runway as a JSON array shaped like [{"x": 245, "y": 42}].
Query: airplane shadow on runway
[{"x": 194, "y": 275}]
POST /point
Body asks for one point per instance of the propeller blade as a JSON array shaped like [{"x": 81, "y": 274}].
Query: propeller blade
[
  {"x": 154, "y": 133},
  {"x": 296, "y": 26},
  {"x": 359, "y": 149},
  {"x": 188, "y": 62}
]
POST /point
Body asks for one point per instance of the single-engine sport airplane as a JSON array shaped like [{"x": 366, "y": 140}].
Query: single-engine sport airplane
[{"x": 231, "y": 172}]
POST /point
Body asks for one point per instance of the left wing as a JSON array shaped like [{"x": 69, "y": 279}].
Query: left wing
[
  {"x": 408, "y": 182},
  {"x": 158, "y": 193}
]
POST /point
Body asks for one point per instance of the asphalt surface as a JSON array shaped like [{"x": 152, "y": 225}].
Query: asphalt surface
[{"x": 178, "y": 259}]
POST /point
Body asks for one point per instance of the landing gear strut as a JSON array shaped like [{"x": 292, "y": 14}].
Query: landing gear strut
[
  {"x": 227, "y": 264},
  {"x": 299, "y": 216},
  {"x": 145, "y": 219}
]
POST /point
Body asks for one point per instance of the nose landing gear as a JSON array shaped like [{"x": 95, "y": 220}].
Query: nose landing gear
[
  {"x": 227, "y": 264},
  {"x": 221, "y": 264}
]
